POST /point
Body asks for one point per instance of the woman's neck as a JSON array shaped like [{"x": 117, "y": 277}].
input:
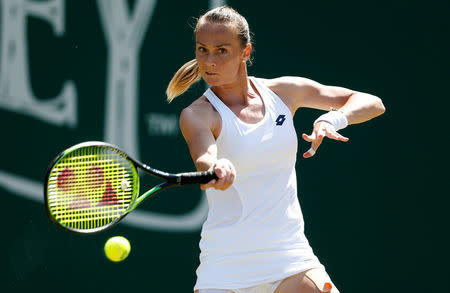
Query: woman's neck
[{"x": 237, "y": 92}]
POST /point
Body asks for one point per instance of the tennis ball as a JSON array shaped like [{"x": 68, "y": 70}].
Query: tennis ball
[{"x": 117, "y": 248}]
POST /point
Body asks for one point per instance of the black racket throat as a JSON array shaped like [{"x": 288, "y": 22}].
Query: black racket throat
[{"x": 186, "y": 178}]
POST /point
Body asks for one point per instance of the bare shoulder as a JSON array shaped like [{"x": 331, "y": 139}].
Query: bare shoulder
[
  {"x": 199, "y": 109},
  {"x": 292, "y": 89},
  {"x": 200, "y": 114},
  {"x": 289, "y": 83}
]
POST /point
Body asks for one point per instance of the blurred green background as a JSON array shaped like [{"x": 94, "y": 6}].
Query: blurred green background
[{"x": 375, "y": 207}]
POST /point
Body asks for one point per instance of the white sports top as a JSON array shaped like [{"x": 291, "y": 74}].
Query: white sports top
[{"x": 254, "y": 232}]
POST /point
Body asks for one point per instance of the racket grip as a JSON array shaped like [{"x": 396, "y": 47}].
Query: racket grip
[{"x": 196, "y": 177}]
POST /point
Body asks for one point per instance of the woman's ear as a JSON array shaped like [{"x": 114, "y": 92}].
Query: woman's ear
[{"x": 246, "y": 53}]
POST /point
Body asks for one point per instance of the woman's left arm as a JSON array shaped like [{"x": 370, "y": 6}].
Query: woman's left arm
[
  {"x": 353, "y": 107},
  {"x": 357, "y": 107}
]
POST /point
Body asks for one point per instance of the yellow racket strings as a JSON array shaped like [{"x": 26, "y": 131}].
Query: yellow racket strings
[{"x": 91, "y": 187}]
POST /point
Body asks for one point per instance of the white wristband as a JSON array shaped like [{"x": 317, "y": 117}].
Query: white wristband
[{"x": 335, "y": 118}]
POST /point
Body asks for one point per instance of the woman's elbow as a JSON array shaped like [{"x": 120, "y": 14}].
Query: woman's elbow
[
  {"x": 374, "y": 105},
  {"x": 379, "y": 106}
]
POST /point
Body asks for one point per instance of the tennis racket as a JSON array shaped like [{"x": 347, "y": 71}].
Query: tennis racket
[{"x": 91, "y": 186}]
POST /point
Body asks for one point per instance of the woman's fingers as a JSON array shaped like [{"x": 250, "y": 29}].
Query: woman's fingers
[
  {"x": 225, "y": 176},
  {"x": 314, "y": 146},
  {"x": 316, "y": 139},
  {"x": 335, "y": 135},
  {"x": 208, "y": 185},
  {"x": 309, "y": 138},
  {"x": 317, "y": 136},
  {"x": 311, "y": 152}
]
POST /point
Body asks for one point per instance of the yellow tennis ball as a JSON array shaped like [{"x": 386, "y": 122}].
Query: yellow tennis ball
[{"x": 117, "y": 248}]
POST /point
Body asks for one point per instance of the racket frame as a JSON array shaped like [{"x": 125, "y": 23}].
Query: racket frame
[{"x": 172, "y": 179}]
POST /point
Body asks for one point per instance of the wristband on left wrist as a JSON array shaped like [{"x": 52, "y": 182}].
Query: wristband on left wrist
[{"x": 335, "y": 118}]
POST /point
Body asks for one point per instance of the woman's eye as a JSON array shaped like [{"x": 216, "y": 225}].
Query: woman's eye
[
  {"x": 222, "y": 51},
  {"x": 201, "y": 49}
]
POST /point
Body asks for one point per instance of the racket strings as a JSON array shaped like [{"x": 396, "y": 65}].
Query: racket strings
[{"x": 91, "y": 187}]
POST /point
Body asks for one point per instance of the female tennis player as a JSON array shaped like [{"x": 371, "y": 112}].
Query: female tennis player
[{"x": 242, "y": 127}]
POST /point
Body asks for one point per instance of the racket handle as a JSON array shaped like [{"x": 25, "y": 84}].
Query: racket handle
[{"x": 196, "y": 177}]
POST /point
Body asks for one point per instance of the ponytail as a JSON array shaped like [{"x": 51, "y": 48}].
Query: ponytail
[{"x": 188, "y": 74}]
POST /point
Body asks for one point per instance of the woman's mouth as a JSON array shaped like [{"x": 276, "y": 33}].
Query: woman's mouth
[{"x": 210, "y": 73}]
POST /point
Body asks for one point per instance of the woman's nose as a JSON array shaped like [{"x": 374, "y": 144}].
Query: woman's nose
[{"x": 210, "y": 60}]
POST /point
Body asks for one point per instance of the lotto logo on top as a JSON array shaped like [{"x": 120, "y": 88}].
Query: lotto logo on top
[{"x": 280, "y": 120}]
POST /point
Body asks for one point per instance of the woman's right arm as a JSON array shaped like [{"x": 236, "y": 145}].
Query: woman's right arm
[{"x": 198, "y": 122}]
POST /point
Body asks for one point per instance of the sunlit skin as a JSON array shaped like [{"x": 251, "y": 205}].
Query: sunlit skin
[
  {"x": 222, "y": 62},
  {"x": 217, "y": 52},
  {"x": 221, "y": 59}
]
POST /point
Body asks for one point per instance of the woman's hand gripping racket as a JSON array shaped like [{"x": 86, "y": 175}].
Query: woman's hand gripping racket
[{"x": 93, "y": 185}]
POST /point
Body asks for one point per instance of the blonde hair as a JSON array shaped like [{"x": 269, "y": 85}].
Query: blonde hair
[{"x": 189, "y": 73}]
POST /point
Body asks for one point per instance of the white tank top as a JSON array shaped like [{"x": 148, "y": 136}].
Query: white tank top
[{"x": 254, "y": 232}]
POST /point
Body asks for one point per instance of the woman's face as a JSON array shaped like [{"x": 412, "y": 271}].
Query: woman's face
[{"x": 219, "y": 53}]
